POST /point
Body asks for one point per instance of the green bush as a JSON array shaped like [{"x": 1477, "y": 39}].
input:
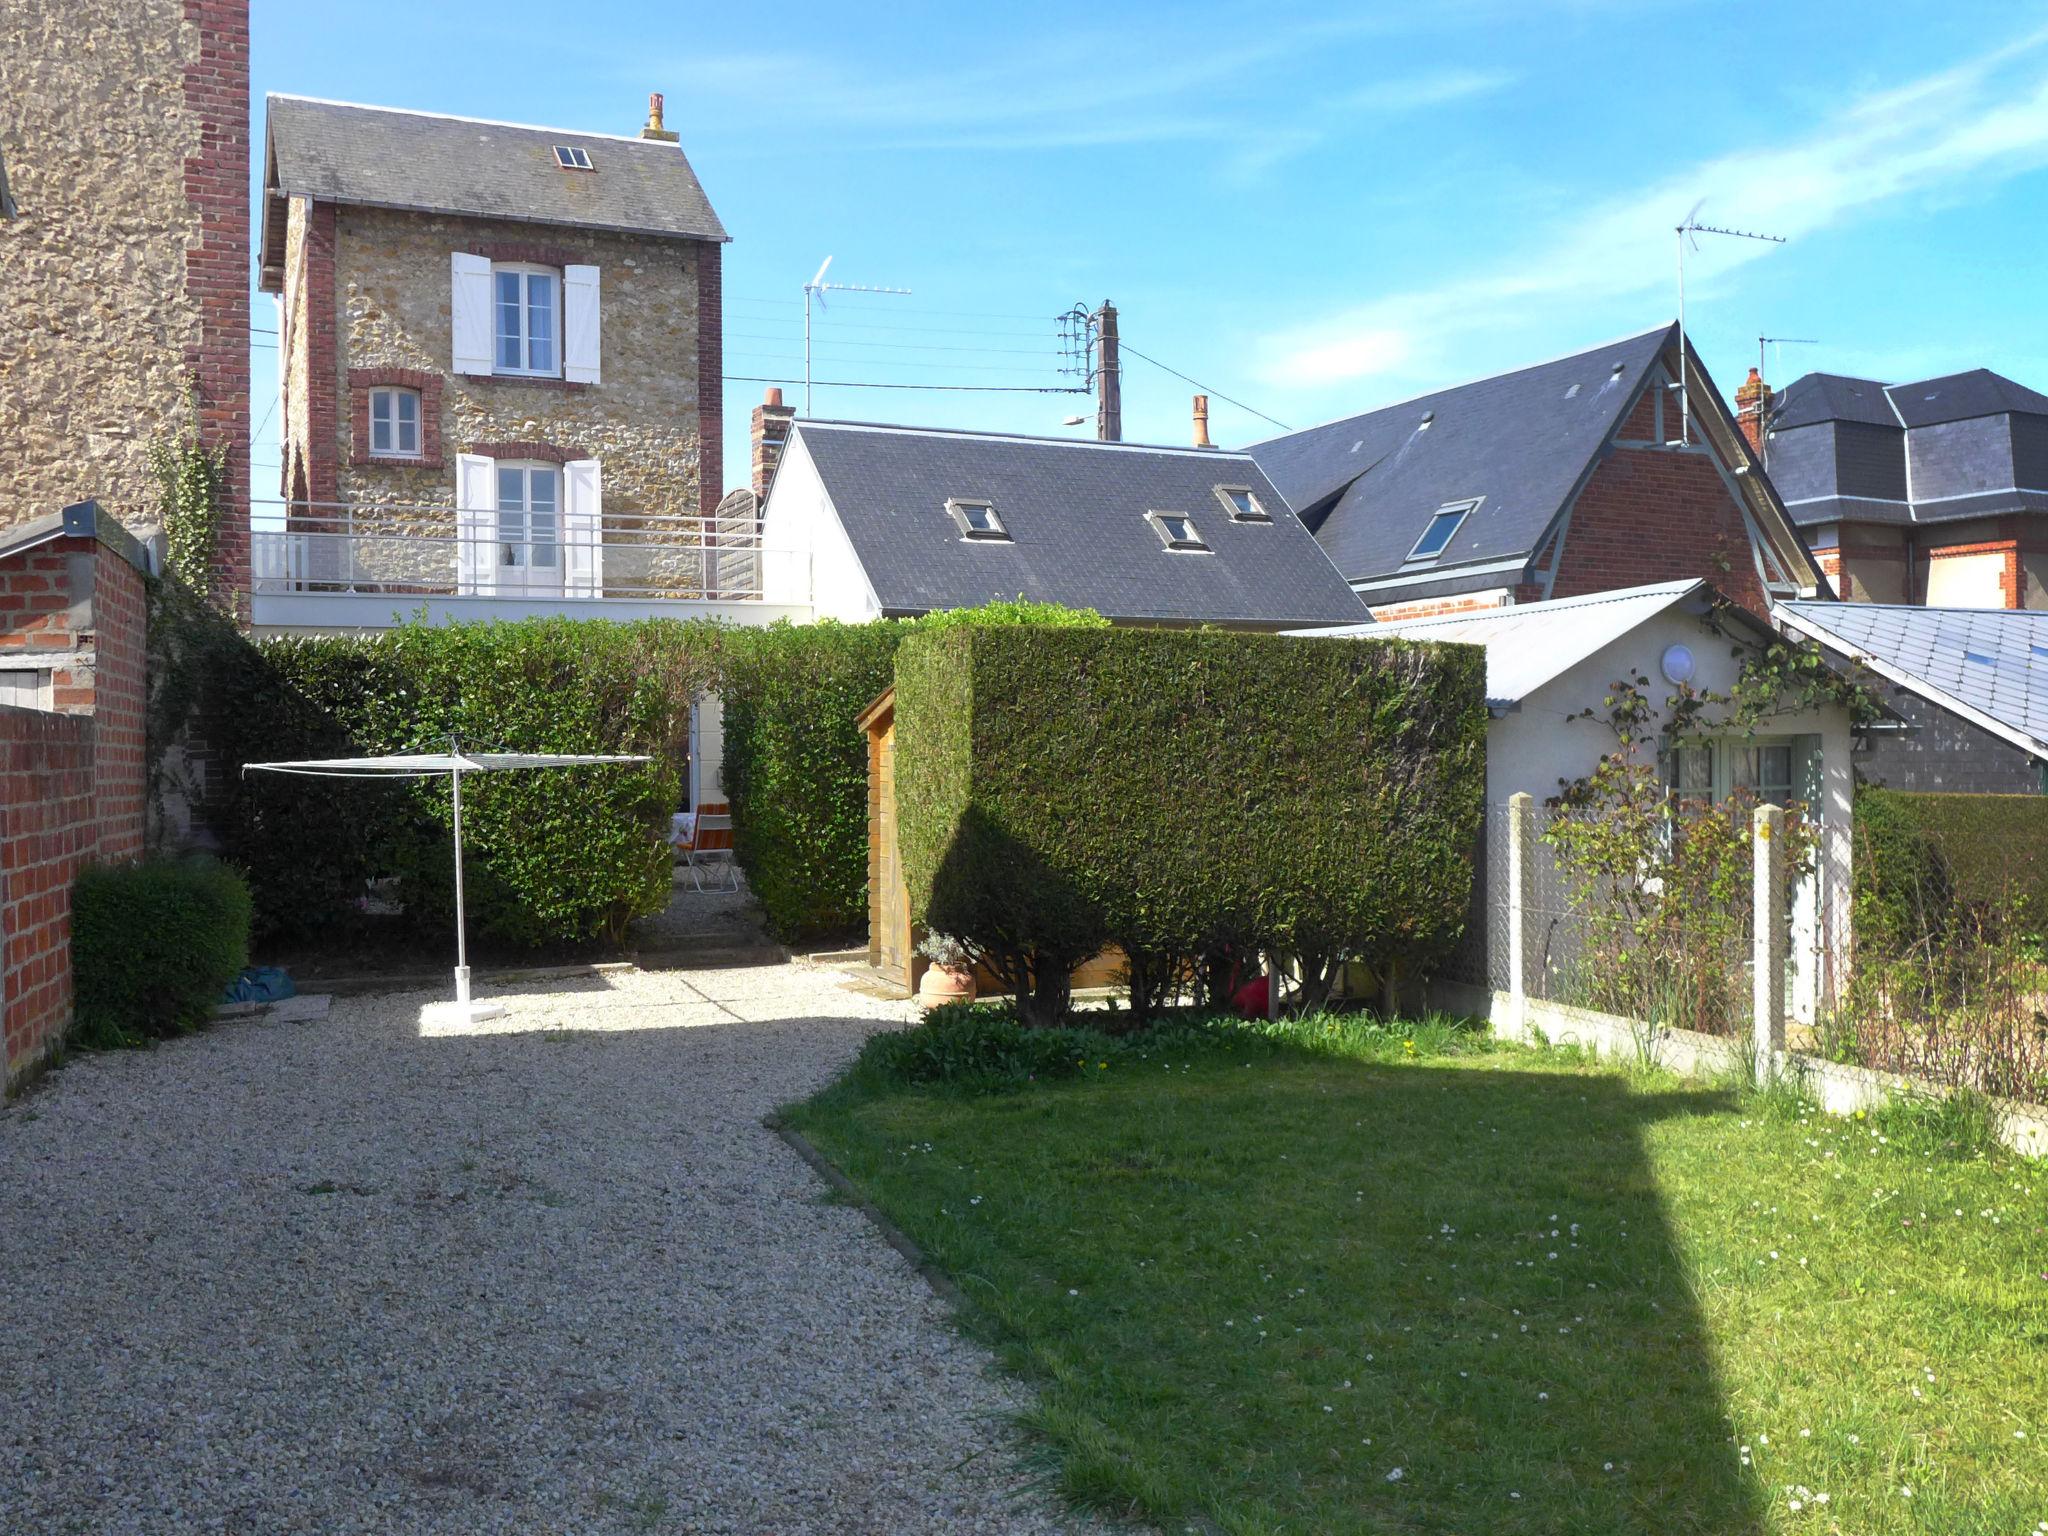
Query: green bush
[
  {"x": 796, "y": 763},
  {"x": 153, "y": 947},
  {"x": 983, "y": 1048},
  {"x": 1982, "y": 849},
  {"x": 550, "y": 857},
  {"x": 1185, "y": 794}
]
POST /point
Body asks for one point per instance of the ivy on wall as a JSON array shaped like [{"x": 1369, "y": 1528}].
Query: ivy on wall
[{"x": 191, "y": 480}]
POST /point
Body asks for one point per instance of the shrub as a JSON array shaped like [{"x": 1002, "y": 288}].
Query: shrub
[
  {"x": 153, "y": 947},
  {"x": 983, "y": 1048},
  {"x": 796, "y": 763},
  {"x": 1989, "y": 848},
  {"x": 1186, "y": 793},
  {"x": 554, "y": 857}
]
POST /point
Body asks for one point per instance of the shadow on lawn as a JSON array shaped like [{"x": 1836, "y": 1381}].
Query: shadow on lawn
[{"x": 1259, "y": 1292}]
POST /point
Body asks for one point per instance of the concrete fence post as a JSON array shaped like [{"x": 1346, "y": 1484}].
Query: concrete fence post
[
  {"x": 1521, "y": 889},
  {"x": 1768, "y": 941}
]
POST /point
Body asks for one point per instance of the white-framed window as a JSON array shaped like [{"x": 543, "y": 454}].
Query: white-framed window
[
  {"x": 25, "y": 687},
  {"x": 978, "y": 519},
  {"x": 529, "y": 526},
  {"x": 394, "y": 423},
  {"x": 526, "y": 310},
  {"x": 1243, "y": 504},
  {"x": 1176, "y": 530},
  {"x": 1443, "y": 524}
]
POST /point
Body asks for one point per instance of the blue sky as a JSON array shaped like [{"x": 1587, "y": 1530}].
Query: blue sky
[{"x": 1313, "y": 210}]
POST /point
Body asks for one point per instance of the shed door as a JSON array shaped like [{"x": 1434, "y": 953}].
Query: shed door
[{"x": 891, "y": 918}]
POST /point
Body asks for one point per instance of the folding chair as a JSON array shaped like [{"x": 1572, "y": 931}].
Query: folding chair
[{"x": 699, "y": 859}]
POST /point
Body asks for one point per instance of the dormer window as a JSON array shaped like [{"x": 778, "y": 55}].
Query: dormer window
[
  {"x": 1176, "y": 530},
  {"x": 573, "y": 157},
  {"x": 1242, "y": 505},
  {"x": 978, "y": 519},
  {"x": 1442, "y": 526}
]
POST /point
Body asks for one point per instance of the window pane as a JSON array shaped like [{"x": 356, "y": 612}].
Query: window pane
[
  {"x": 380, "y": 435},
  {"x": 1693, "y": 771},
  {"x": 543, "y": 485},
  {"x": 1775, "y": 768},
  {"x": 509, "y": 309},
  {"x": 1438, "y": 534},
  {"x": 408, "y": 406},
  {"x": 511, "y": 490},
  {"x": 540, "y": 322}
]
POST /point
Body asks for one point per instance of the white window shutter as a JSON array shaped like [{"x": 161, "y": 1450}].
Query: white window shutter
[
  {"x": 476, "y": 525},
  {"x": 469, "y": 310},
  {"x": 580, "y": 330},
  {"x": 583, "y": 528}
]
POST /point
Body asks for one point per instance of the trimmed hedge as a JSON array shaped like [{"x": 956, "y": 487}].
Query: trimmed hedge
[
  {"x": 553, "y": 857},
  {"x": 1916, "y": 850},
  {"x": 1185, "y": 795},
  {"x": 796, "y": 767},
  {"x": 153, "y": 947}
]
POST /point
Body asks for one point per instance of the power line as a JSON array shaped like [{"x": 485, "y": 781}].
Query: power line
[
  {"x": 1209, "y": 389},
  {"x": 908, "y": 309},
  {"x": 897, "y": 346},
  {"x": 985, "y": 389}
]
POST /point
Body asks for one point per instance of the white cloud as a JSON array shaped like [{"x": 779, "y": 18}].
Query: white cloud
[{"x": 1967, "y": 127}]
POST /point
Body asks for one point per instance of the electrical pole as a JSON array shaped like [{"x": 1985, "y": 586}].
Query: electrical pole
[{"x": 1109, "y": 377}]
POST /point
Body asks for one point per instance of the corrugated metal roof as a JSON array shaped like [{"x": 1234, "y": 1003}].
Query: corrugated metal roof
[
  {"x": 1989, "y": 665},
  {"x": 1530, "y": 644},
  {"x": 384, "y": 157},
  {"x": 1075, "y": 512}
]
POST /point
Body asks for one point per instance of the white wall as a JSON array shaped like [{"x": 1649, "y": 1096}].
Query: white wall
[{"x": 806, "y": 556}]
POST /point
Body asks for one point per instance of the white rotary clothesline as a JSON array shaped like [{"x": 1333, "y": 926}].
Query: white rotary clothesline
[{"x": 428, "y": 765}]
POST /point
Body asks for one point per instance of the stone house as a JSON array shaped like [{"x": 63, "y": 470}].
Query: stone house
[
  {"x": 1584, "y": 474},
  {"x": 124, "y": 248},
  {"x": 501, "y": 363}
]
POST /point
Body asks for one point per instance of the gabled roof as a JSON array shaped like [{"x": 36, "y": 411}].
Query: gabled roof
[
  {"x": 386, "y": 157},
  {"x": 1522, "y": 445},
  {"x": 1963, "y": 397},
  {"x": 1989, "y": 665},
  {"x": 1531, "y": 644},
  {"x": 1075, "y": 512}
]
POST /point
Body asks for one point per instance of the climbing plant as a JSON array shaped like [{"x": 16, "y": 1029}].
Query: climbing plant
[{"x": 190, "y": 481}]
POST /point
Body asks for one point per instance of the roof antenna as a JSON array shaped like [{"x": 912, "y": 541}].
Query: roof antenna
[
  {"x": 820, "y": 287},
  {"x": 1763, "y": 433},
  {"x": 1688, "y": 229}
]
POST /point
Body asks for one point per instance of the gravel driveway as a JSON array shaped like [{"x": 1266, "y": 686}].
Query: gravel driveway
[{"x": 543, "y": 1274}]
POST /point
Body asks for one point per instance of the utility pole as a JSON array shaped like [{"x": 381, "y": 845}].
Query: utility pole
[{"x": 1109, "y": 377}]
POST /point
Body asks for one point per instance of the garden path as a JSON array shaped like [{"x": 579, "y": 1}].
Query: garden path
[{"x": 547, "y": 1273}]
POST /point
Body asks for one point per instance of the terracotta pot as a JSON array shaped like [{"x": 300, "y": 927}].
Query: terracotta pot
[{"x": 945, "y": 984}]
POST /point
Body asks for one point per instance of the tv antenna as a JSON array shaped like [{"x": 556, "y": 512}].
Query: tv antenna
[
  {"x": 820, "y": 287},
  {"x": 1763, "y": 428},
  {"x": 1689, "y": 230}
]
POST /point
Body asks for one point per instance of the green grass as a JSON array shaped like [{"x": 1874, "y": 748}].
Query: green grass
[{"x": 1251, "y": 1279}]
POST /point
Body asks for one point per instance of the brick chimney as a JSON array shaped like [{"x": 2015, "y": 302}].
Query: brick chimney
[
  {"x": 654, "y": 129},
  {"x": 1202, "y": 422},
  {"x": 769, "y": 431},
  {"x": 1752, "y": 410}
]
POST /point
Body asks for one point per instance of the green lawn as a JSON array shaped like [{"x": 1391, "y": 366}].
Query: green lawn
[{"x": 1370, "y": 1286}]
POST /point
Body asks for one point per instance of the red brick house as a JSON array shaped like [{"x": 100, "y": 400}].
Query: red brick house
[{"x": 1558, "y": 480}]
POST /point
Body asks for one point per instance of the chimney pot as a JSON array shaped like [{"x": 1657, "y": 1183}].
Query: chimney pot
[
  {"x": 774, "y": 394},
  {"x": 654, "y": 128},
  {"x": 1202, "y": 422}
]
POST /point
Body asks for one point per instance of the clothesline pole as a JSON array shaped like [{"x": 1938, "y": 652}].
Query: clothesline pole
[{"x": 461, "y": 921}]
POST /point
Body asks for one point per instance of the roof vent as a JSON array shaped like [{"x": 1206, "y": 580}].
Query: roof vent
[
  {"x": 1427, "y": 418},
  {"x": 1572, "y": 393},
  {"x": 573, "y": 157}
]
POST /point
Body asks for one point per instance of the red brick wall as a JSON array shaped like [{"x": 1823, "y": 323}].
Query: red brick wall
[
  {"x": 71, "y": 782},
  {"x": 1650, "y": 515},
  {"x": 710, "y": 376},
  {"x": 216, "y": 92},
  {"x": 1435, "y": 607}
]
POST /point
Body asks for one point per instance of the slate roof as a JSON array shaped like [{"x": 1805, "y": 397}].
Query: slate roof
[
  {"x": 383, "y": 157},
  {"x": 1989, "y": 665},
  {"x": 1075, "y": 512},
  {"x": 1966, "y": 445},
  {"x": 1369, "y": 484},
  {"x": 1531, "y": 644}
]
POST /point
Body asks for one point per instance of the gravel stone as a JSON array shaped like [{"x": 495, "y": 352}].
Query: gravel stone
[{"x": 385, "y": 1271}]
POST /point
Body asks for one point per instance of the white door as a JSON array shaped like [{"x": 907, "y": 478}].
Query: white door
[{"x": 529, "y": 529}]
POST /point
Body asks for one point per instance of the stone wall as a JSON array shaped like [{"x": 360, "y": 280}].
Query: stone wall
[
  {"x": 124, "y": 273},
  {"x": 390, "y": 289}
]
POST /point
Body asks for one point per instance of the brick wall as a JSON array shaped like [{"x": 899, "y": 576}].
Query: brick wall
[
  {"x": 71, "y": 779},
  {"x": 1655, "y": 514}
]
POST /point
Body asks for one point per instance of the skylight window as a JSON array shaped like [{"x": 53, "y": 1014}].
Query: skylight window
[
  {"x": 1176, "y": 530},
  {"x": 1446, "y": 522},
  {"x": 573, "y": 157},
  {"x": 978, "y": 519},
  {"x": 1242, "y": 504}
]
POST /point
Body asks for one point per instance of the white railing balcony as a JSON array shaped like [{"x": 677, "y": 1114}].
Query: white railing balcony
[{"x": 403, "y": 556}]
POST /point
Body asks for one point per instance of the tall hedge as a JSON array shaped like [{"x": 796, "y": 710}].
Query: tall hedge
[
  {"x": 551, "y": 857},
  {"x": 1913, "y": 848},
  {"x": 796, "y": 763},
  {"x": 153, "y": 947},
  {"x": 1185, "y": 793}
]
